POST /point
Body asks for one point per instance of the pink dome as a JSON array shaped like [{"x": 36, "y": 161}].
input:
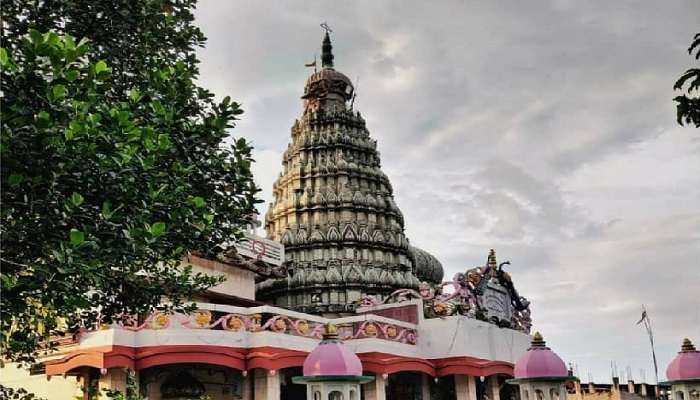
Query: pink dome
[
  {"x": 540, "y": 362},
  {"x": 686, "y": 365},
  {"x": 332, "y": 357}
]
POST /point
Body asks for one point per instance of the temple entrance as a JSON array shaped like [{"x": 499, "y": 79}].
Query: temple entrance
[
  {"x": 404, "y": 386},
  {"x": 508, "y": 392},
  {"x": 289, "y": 390},
  {"x": 185, "y": 381},
  {"x": 443, "y": 389}
]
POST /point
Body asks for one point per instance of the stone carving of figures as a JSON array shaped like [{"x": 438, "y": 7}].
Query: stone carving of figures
[
  {"x": 368, "y": 300},
  {"x": 522, "y": 319},
  {"x": 425, "y": 291}
]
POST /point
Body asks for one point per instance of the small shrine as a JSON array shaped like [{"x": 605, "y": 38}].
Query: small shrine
[
  {"x": 683, "y": 373},
  {"x": 332, "y": 371},
  {"x": 540, "y": 373}
]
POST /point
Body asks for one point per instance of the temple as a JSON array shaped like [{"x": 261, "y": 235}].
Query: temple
[
  {"x": 334, "y": 210},
  {"x": 335, "y": 255}
]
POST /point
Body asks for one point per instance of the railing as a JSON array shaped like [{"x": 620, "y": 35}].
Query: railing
[{"x": 272, "y": 319}]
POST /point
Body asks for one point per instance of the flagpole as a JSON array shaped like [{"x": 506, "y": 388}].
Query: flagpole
[{"x": 650, "y": 333}]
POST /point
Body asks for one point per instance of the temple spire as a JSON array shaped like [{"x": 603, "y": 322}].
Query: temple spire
[{"x": 326, "y": 48}]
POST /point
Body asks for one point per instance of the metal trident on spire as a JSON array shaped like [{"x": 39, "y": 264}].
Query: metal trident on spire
[{"x": 326, "y": 48}]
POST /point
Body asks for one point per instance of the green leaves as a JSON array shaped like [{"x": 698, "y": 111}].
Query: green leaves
[
  {"x": 688, "y": 106},
  {"x": 15, "y": 179},
  {"x": 102, "y": 71},
  {"x": 4, "y": 59},
  {"x": 76, "y": 199},
  {"x": 157, "y": 229},
  {"x": 76, "y": 237},
  {"x": 100, "y": 67},
  {"x": 198, "y": 202},
  {"x": 113, "y": 165},
  {"x": 57, "y": 92}
]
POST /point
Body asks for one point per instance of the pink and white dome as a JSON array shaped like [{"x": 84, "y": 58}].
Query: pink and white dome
[
  {"x": 686, "y": 365},
  {"x": 540, "y": 362},
  {"x": 332, "y": 358}
]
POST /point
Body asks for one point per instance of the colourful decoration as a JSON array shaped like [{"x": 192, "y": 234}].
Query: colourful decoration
[
  {"x": 485, "y": 293},
  {"x": 160, "y": 321},
  {"x": 202, "y": 319}
]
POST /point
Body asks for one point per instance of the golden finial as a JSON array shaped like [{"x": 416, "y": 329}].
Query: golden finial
[
  {"x": 687, "y": 346},
  {"x": 538, "y": 340},
  {"x": 492, "y": 259},
  {"x": 330, "y": 331}
]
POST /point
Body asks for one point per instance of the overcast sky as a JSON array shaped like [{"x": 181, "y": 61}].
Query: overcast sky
[{"x": 544, "y": 130}]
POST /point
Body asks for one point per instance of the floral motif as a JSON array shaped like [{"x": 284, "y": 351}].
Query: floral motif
[
  {"x": 202, "y": 318},
  {"x": 441, "y": 308},
  {"x": 279, "y": 326},
  {"x": 205, "y": 319},
  {"x": 235, "y": 324},
  {"x": 391, "y": 331},
  {"x": 160, "y": 321},
  {"x": 371, "y": 330},
  {"x": 302, "y": 327}
]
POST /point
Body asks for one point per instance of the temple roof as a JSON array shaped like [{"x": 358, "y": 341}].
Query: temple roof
[
  {"x": 334, "y": 208},
  {"x": 327, "y": 81},
  {"x": 427, "y": 267}
]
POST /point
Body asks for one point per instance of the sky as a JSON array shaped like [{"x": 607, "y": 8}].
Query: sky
[{"x": 543, "y": 130}]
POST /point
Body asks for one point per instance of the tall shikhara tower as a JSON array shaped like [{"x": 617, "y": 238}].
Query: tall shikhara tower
[{"x": 334, "y": 210}]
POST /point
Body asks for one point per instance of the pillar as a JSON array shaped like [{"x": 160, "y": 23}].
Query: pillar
[
  {"x": 425, "y": 387},
  {"x": 630, "y": 386},
  {"x": 113, "y": 379},
  {"x": 375, "y": 390},
  {"x": 465, "y": 387},
  {"x": 267, "y": 385},
  {"x": 247, "y": 386},
  {"x": 494, "y": 388}
]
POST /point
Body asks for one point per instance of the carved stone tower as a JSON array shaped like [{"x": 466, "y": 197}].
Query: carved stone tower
[{"x": 334, "y": 209}]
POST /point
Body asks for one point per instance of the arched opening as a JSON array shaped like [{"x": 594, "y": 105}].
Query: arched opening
[
  {"x": 353, "y": 394},
  {"x": 442, "y": 387},
  {"x": 404, "y": 386},
  {"x": 694, "y": 394},
  {"x": 172, "y": 378},
  {"x": 526, "y": 394},
  {"x": 539, "y": 395},
  {"x": 554, "y": 394},
  {"x": 335, "y": 395},
  {"x": 317, "y": 395},
  {"x": 289, "y": 390},
  {"x": 679, "y": 395}
]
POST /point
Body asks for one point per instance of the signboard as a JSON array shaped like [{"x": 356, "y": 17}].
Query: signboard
[
  {"x": 496, "y": 300},
  {"x": 257, "y": 248}
]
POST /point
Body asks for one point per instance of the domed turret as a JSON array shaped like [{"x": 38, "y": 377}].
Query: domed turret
[
  {"x": 540, "y": 362},
  {"x": 332, "y": 357},
  {"x": 327, "y": 88},
  {"x": 686, "y": 365},
  {"x": 683, "y": 373},
  {"x": 540, "y": 373},
  {"x": 426, "y": 267},
  {"x": 332, "y": 368}
]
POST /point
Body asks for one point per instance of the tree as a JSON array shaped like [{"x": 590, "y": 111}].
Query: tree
[
  {"x": 688, "y": 108},
  {"x": 115, "y": 164}
]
